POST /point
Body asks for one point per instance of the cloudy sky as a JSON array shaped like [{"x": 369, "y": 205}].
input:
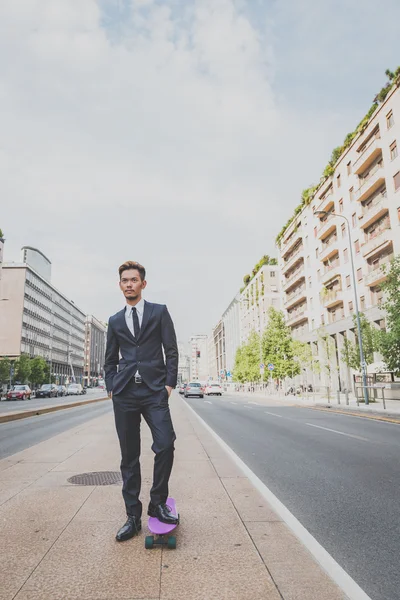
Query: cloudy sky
[{"x": 178, "y": 133}]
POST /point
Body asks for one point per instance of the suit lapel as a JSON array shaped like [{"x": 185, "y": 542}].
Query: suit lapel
[
  {"x": 123, "y": 325},
  {"x": 148, "y": 309}
]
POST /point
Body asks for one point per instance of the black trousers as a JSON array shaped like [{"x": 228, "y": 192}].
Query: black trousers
[{"x": 135, "y": 401}]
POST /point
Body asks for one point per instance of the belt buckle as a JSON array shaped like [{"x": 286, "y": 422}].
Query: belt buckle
[{"x": 138, "y": 378}]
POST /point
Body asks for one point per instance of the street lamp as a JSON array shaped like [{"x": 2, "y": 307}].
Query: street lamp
[{"x": 360, "y": 342}]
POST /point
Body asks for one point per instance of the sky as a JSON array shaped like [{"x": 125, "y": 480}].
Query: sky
[{"x": 179, "y": 134}]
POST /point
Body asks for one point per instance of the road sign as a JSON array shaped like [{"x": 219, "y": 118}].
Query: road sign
[
  {"x": 228, "y": 373},
  {"x": 262, "y": 366},
  {"x": 271, "y": 367},
  {"x": 222, "y": 372}
]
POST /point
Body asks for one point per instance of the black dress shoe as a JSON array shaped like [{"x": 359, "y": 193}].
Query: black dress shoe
[
  {"x": 132, "y": 527},
  {"x": 163, "y": 513}
]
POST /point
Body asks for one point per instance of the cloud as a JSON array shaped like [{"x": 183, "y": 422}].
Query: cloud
[{"x": 153, "y": 131}]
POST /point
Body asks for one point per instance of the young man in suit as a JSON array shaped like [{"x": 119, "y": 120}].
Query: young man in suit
[{"x": 140, "y": 383}]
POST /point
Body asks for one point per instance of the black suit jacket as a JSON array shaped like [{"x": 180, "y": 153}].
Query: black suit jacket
[{"x": 126, "y": 354}]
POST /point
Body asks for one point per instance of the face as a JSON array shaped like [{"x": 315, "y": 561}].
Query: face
[{"x": 131, "y": 285}]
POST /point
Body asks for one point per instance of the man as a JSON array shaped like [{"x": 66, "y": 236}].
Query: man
[{"x": 142, "y": 385}]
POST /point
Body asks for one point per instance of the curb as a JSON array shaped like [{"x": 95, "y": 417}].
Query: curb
[
  {"x": 373, "y": 417},
  {"x": 46, "y": 409}
]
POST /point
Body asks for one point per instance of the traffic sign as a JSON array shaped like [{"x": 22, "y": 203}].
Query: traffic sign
[
  {"x": 262, "y": 366},
  {"x": 228, "y": 373},
  {"x": 271, "y": 367}
]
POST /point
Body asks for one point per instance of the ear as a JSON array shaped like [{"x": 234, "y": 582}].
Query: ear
[{"x": 144, "y": 283}]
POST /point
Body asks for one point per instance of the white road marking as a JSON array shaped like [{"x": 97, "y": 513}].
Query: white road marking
[
  {"x": 246, "y": 406},
  {"x": 256, "y": 403},
  {"x": 273, "y": 414},
  {"x": 356, "y": 437},
  {"x": 208, "y": 401},
  {"x": 233, "y": 402},
  {"x": 327, "y": 562}
]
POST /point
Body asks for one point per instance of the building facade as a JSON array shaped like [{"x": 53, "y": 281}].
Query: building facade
[
  {"x": 199, "y": 357},
  {"x": 231, "y": 322},
  {"x": 95, "y": 349},
  {"x": 183, "y": 365},
  {"x": 355, "y": 210},
  {"x": 38, "y": 320}
]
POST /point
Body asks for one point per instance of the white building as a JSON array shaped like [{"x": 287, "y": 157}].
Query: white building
[
  {"x": 183, "y": 365},
  {"x": 231, "y": 321},
  {"x": 361, "y": 198},
  {"x": 95, "y": 349},
  {"x": 199, "y": 357}
]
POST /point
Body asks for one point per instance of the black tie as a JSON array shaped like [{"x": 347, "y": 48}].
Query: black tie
[{"x": 136, "y": 326}]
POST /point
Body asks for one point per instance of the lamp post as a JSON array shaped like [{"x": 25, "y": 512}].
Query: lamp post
[{"x": 360, "y": 341}]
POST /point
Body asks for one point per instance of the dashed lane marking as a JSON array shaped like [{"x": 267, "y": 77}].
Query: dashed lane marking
[{"x": 356, "y": 437}]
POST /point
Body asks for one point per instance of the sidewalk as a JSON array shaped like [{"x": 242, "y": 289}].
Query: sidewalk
[
  {"x": 373, "y": 409},
  {"x": 57, "y": 540}
]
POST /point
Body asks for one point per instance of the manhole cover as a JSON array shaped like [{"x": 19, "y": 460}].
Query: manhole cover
[{"x": 96, "y": 478}]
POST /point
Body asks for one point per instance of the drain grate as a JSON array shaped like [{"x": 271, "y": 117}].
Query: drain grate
[{"x": 97, "y": 478}]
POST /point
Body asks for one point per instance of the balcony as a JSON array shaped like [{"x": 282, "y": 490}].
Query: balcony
[
  {"x": 297, "y": 316},
  {"x": 327, "y": 226},
  {"x": 295, "y": 297},
  {"x": 294, "y": 259},
  {"x": 296, "y": 277},
  {"x": 380, "y": 239},
  {"x": 370, "y": 185},
  {"x": 378, "y": 274},
  {"x": 330, "y": 272},
  {"x": 374, "y": 211},
  {"x": 328, "y": 249},
  {"x": 290, "y": 242},
  {"x": 371, "y": 152},
  {"x": 332, "y": 298},
  {"x": 327, "y": 203}
]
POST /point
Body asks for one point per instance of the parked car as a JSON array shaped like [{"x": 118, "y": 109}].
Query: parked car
[
  {"x": 47, "y": 390},
  {"x": 74, "y": 389},
  {"x": 213, "y": 389},
  {"x": 62, "y": 390},
  {"x": 182, "y": 388},
  {"x": 194, "y": 388},
  {"x": 19, "y": 392}
]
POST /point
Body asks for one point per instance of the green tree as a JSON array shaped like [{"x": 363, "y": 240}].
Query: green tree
[
  {"x": 389, "y": 341},
  {"x": 351, "y": 350},
  {"x": 247, "y": 367},
  {"x": 1, "y": 234},
  {"x": 277, "y": 346},
  {"x": 23, "y": 369},
  {"x": 39, "y": 370},
  {"x": 5, "y": 366}
]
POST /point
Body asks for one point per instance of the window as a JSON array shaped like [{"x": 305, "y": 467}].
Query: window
[
  {"x": 359, "y": 274},
  {"x": 351, "y": 193},
  {"x": 319, "y": 275},
  {"x": 315, "y": 231},
  {"x": 362, "y": 302},
  {"x": 312, "y": 324},
  {"x": 341, "y": 205},
  {"x": 311, "y": 302},
  {"x": 306, "y": 240},
  {"x": 343, "y": 229},
  {"x": 357, "y": 246},
  {"x": 323, "y": 319},
  {"x": 338, "y": 181},
  {"x": 396, "y": 179},
  {"x": 346, "y": 255},
  {"x": 348, "y": 168},
  {"x": 308, "y": 261},
  {"x": 354, "y": 219},
  {"x": 348, "y": 283},
  {"x": 309, "y": 282},
  {"x": 398, "y": 213},
  {"x": 393, "y": 150},
  {"x": 272, "y": 274},
  {"x": 389, "y": 119},
  {"x": 350, "y": 307},
  {"x": 316, "y": 252}
]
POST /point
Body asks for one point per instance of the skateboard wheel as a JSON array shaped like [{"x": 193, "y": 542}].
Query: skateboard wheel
[
  {"x": 171, "y": 544},
  {"x": 149, "y": 542}
]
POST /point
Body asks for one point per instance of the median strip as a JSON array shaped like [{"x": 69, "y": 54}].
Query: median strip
[{"x": 24, "y": 414}]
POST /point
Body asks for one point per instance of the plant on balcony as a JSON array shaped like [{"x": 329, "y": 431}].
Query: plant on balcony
[
  {"x": 1, "y": 235},
  {"x": 389, "y": 341},
  {"x": 246, "y": 279},
  {"x": 394, "y": 80}
]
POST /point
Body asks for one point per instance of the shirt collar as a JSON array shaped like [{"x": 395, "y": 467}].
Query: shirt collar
[{"x": 139, "y": 307}]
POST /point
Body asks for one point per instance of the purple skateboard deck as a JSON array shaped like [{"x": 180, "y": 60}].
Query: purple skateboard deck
[{"x": 160, "y": 528}]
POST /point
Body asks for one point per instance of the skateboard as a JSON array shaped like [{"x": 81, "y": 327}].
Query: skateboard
[{"x": 162, "y": 530}]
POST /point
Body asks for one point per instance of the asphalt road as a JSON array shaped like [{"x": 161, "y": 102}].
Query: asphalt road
[
  {"x": 35, "y": 403},
  {"x": 339, "y": 475},
  {"x": 23, "y": 433}
]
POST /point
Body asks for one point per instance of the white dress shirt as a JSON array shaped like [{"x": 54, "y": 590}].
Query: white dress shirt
[{"x": 129, "y": 320}]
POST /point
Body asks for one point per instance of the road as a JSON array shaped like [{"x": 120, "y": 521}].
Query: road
[
  {"x": 339, "y": 475},
  {"x": 35, "y": 403},
  {"x": 23, "y": 433}
]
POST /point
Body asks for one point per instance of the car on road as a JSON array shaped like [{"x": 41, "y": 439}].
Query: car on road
[
  {"x": 194, "y": 388},
  {"x": 74, "y": 389},
  {"x": 62, "y": 390},
  {"x": 19, "y": 392},
  {"x": 47, "y": 390},
  {"x": 213, "y": 389},
  {"x": 182, "y": 388}
]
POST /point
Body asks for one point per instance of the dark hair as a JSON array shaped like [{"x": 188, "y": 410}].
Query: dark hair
[{"x": 130, "y": 264}]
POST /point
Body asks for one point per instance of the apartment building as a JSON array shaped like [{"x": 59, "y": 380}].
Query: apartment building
[
  {"x": 355, "y": 210},
  {"x": 199, "y": 357},
  {"x": 231, "y": 322},
  {"x": 262, "y": 292},
  {"x": 183, "y": 364},
  {"x": 95, "y": 349},
  {"x": 38, "y": 320}
]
